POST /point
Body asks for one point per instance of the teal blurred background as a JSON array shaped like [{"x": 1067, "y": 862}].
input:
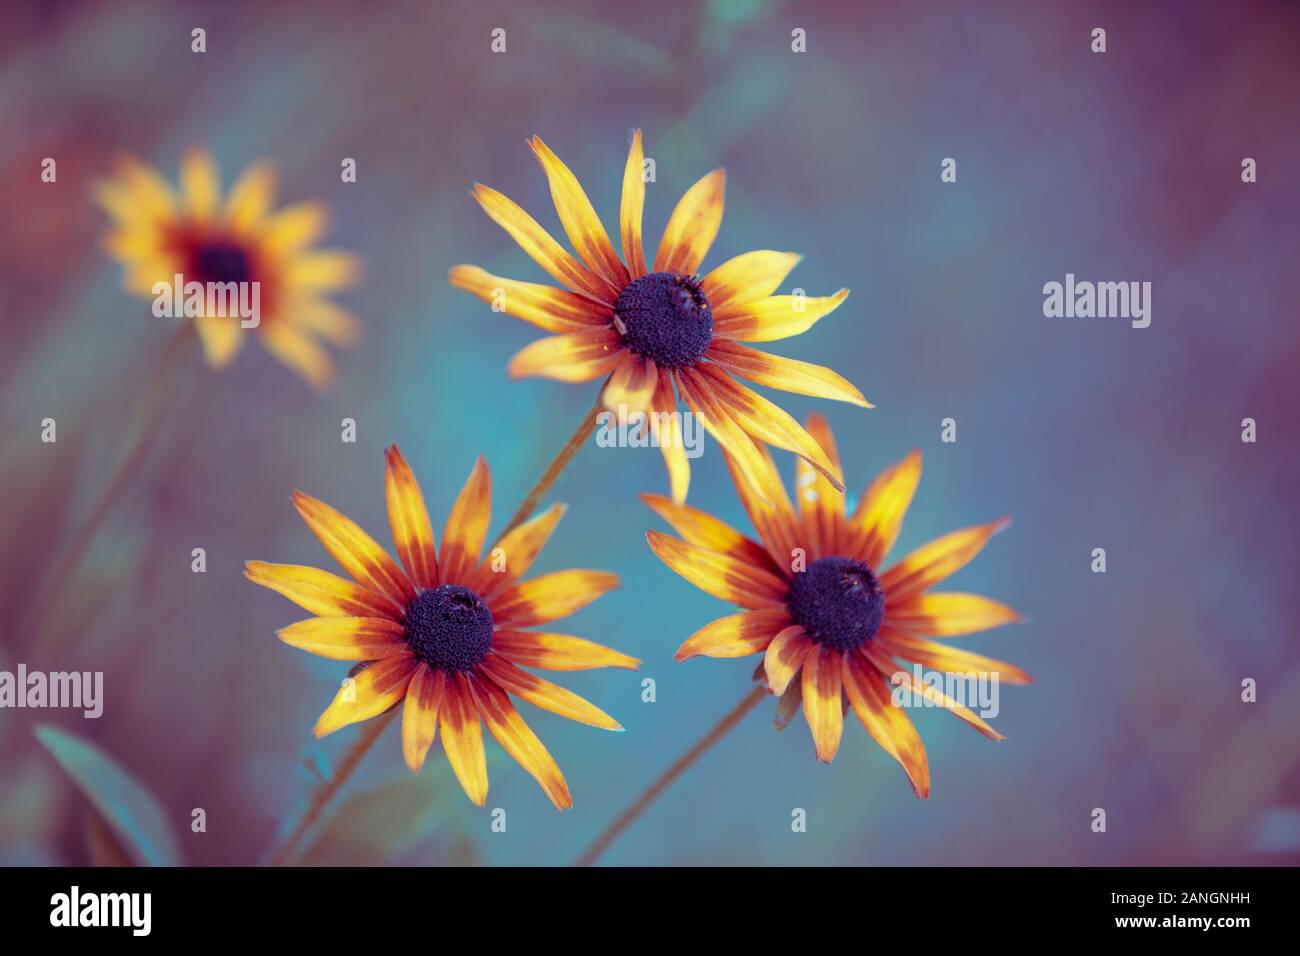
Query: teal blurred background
[{"x": 1122, "y": 166}]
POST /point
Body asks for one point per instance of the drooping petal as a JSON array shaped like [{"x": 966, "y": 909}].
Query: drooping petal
[
  {"x": 717, "y": 420},
  {"x": 409, "y": 519},
  {"x": 250, "y": 197},
  {"x": 952, "y": 660},
  {"x": 420, "y": 714},
  {"x": 555, "y": 310},
  {"x": 747, "y": 278},
  {"x": 703, "y": 530},
  {"x": 578, "y": 216},
  {"x": 901, "y": 678},
  {"x": 949, "y": 614},
  {"x": 737, "y": 635},
  {"x": 693, "y": 226},
  {"x": 300, "y": 353},
  {"x": 346, "y": 638},
  {"x": 770, "y": 512},
  {"x": 776, "y": 317},
  {"x": 467, "y": 527},
  {"x": 200, "y": 184},
  {"x": 518, "y": 551},
  {"x": 789, "y": 375},
  {"x": 557, "y": 652},
  {"x": 785, "y": 656},
  {"x": 666, "y": 427},
  {"x": 462, "y": 737},
  {"x": 722, "y": 575},
  {"x": 931, "y": 563},
  {"x": 887, "y": 724},
  {"x": 321, "y": 592},
  {"x": 518, "y": 740},
  {"x": 358, "y": 553},
  {"x": 368, "y": 694},
  {"x": 791, "y": 703},
  {"x": 879, "y": 518},
  {"x": 550, "y": 597},
  {"x": 823, "y": 700},
  {"x": 632, "y": 385},
  {"x": 631, "y": 207},
  {"x": 544, "y": 694},
  {"x": 541, "y": 248},
  {"x": 572, "y": 357},
  {"x": 331, "y": 322},
  {"x": 821, "y": 507},
  {"x": 221, "y": 338}
]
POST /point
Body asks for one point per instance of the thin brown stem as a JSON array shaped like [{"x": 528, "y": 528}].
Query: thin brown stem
[
  {"x": 556, "y": 467},
  {"x": 325, "y": 793},
  {"x": 629, "y": 816}
]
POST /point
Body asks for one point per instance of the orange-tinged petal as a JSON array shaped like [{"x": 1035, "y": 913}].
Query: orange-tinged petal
[
  {"x": 718, "y": 422},
  {"x": 250, "y": 197},
  {"x": 737, "y": 635},
  {"x": 722, "y": 575},
  {"x": 789, "y": 375},
  {"x": 785, "y": 656},
  {"x": 467, "y": 527},
  {"x": 550, "y": 597},
  {"x": 544, "y": 694},
  {"x": 518, "y": 550},
  {"x": 200, "y": 184},
  {"x": 693, "y": 226},
  {"x": 557, "y": 652},
  {"x": 931, "y": 563},
  {"x": 949, "y": 614},
  {"x": 572, "y": 357},
  {"x": 346, "y": 638},
  {"x": 368, "y": 694},
  {"x": 821, "y": 507},
  {"x": 555, "y": 310},
  {"x": 462, "y": 737},
  {"x": 822, "y": 700},
  {"x": 771, "y": 513},
  {"x": 409, "y": 519},
  {"x": 358, "y": 553},
  {"x": 578, "y": 216},
  {"x": 420, "y": 714},
  {"x": 901, "y": 678},
  {"x": 748, "y": 278},
  {"x": 699, "y": 528},
  {"x": 666, "y": 427},
  {"x": 879, "y": 518},
  {"x": 630, "y": 210},
  {"x": 541, "y": 248},
  {"x": 518, "y": 740},
  {"x": 776, "y": 317},
  {"x": 953, "y": 660},
  {"x": 632, "y": 385},
  {"x": 321, "y": 592},
  {"x": 887, "y": 724}
]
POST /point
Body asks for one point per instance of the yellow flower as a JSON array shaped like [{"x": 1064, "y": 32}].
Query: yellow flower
[
  {"x": 158, "y": 234},
  {"x": 445, "y": 632},
  {"x": 830, "y": 625},
  {"x": 652, "y": 327}
]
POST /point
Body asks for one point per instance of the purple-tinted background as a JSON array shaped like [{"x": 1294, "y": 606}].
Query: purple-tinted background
[{"x": 1122, "y": 166}]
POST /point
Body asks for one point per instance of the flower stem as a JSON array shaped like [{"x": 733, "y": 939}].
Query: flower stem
[
  {"x": 629, "y": 816},
  {"x": 369, "y": 734},
  {"x": 557, "y": 466}
]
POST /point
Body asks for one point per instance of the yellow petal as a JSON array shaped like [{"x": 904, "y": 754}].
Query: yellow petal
[
  {"x": 250, "y": 197},
  {"x": 631, "y": 385},
  {"x": 737, "y": 635},
  {"x": 221, "y": 338},
  {"x": 358, "y": 553},
  {"x": 550, "y": 597},
  {"x": 346, "y": 638},
  {"x": 467, "y": 527},
  {"x": 785, "y": 656},
  {"x": 294, "y": 227},
  {"x": 329, "y": 321},
  {"x": 770, "y": 511},
  {"x": 693, "y": 226},
  {"x": 420, "y": 714},
  {"x": 722, "y": 575},
  {"x": 821, "y": 506},
  {"x": 200, "y": 184},
  {"x": 368, "y": 694},
  {"x": 949, "y": 614},
  {"x": 931, "y": 563},
  {"x": 518, "y": 549},
  {"x": 555, "y": 310},
  {"x": 631, "y": 208},
  {"x": 717, "y": 420},
  {"x": 324, "y": 270},
  {"x": 879, "y": 518},
  {"x": 789, "y": 375},
  {"x": 321, "y": 592},
  {"x": 823, "y": 701},
  {"x": 887, "y": 724},
  {"x": 300, "y": 353},
  {"x": 666, "y": 427},
  {"x": 773, "y": 318},
  {"x": 544, "y": 694},
  {"x": 557, "y": 652},
  {"x": 409, "y": 519},
  {"x": 699, "y": 528},
  {"x": 951, "y": 660},
  {"x": 748, "y": 278},
  {"x": 518, "y": 740},
  {"x": 578, "y": 216},
  {"x": 572, "y": 357},
  {"x": 462, "y": 737},
  {"x": 880, "y": 658}
]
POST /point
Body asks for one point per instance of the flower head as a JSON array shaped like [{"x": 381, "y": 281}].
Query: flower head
[
  {"x": 662, "y": 331},
  {"x": 445, "y": 633},
  {"x": 830, "y": 624},
  {"x": 197, "y": 234}
]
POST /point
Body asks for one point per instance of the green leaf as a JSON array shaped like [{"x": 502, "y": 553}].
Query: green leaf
[
  {"x": 131, "y": 812},
  {"x": 374, "y": 827}
]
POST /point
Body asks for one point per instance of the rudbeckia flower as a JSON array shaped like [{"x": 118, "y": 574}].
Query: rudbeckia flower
[
  {"x": 831, "y": 625},
  {"x": 654, "y": 325},
  {"x": 445, "y": 633},
  {"x": 204, "y": 237}
]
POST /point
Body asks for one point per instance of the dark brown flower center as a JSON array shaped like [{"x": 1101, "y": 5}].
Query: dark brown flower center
[
  {"x": 665, "y": 317},
  {"x": 449, "y": 628},
  {"x": 838, "y": 602}
]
